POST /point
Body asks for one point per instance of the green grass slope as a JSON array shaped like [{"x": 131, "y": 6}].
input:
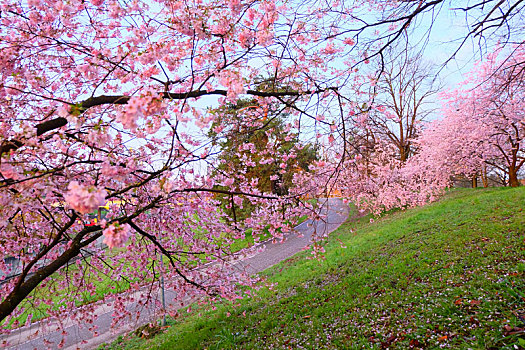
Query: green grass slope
[{"x": 447, "y": 275}]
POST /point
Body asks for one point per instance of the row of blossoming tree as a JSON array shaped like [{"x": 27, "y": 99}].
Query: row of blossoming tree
[
  {"x": 481, "y": 130},
  {"x": 105, "y": 103}
]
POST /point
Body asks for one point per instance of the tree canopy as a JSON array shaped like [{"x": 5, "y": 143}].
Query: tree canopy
[{"x": 102, "y": 103}]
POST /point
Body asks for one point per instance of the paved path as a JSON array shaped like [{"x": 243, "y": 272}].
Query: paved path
[{"x": 273, "y": 253}]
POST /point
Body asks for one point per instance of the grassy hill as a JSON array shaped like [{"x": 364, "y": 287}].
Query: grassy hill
[{"x": 447, "y": 275}]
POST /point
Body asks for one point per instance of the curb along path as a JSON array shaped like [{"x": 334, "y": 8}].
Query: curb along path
[{"x": 336, "y": 213}]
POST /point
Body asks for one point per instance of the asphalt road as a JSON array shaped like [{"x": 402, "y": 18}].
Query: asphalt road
[{"x": 80, "y": 337}]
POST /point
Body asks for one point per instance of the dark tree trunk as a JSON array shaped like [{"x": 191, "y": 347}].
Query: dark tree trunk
[
  {"x": 484, "y": 177},
  {"x": 404, "y": 152},
  {"x": 513, "y": 177},
  {"x": 27, "y": 283}
]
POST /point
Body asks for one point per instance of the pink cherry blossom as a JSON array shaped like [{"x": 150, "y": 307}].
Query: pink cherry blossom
[
  {"x": 116, "y": 235},
  {"x": 84, "y": 199}
]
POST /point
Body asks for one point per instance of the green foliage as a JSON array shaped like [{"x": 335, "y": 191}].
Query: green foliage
[
  {"x": 448, "y": 275},
  {"x": 264, "y": 128}
]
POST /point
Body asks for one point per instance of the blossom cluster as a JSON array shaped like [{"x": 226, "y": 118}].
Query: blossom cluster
[
  {"x": 116, "y": 235},
  {"x": 84, "y": 199}
]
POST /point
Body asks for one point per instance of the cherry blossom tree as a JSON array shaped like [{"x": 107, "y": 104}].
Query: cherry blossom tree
[
  {"x": 104, "y": 104},
  {"x": 483, "y": 121}
]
